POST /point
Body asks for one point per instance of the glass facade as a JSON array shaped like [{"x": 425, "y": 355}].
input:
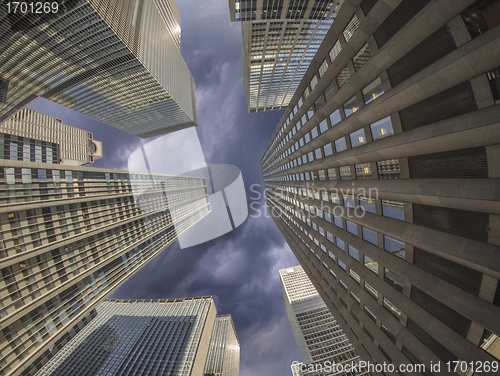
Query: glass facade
[
  {"x": 103, "y": 59},
  {"x": 139, "y": 337},
  {"x": 224, "y": 353},
  {"x": 279, "y": 44},
  {"x": 319, "y": 337}
]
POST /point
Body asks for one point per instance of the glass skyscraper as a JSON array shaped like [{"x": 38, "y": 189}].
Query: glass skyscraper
[
  {"x": 69, "y": 236},
  {"x": 279, "y": 41},
  {"x": 74, "y": 146},
  {"x": 320, "y": 340},
  {"x": 140, "y": 338},
  {"x": 224, "y": 354},
  {"x": 382, "y": 176},
  {"x": 117, "y": 61}
]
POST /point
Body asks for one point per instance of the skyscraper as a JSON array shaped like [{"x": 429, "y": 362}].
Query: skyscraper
[
  {"x": 224, "y": 353},
  {"x": 75, "y": 146},
  {"x": 69, "y": 236},
  {"x": 140, "y": 337},
  {"x": 319, "y": 338},
  {"x": 279, "y": 41},
  {"x": 382, "y": 178},
  {"x": 116, "y": 61}
]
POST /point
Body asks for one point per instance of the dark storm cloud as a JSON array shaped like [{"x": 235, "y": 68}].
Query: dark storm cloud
[{"x": 240, "y": 269}]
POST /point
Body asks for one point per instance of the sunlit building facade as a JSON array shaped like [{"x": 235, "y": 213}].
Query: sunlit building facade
[
  {"x": 382, "y": 177},
  {"x": 140, "y": 338},
  {"x": 279, "y": 41},
  {"x": 75, "y": 146},
  {"x": 319, "y": 338},
  {"x": 116, "y": 61},
  {"x": 69, "y": 236},
  {"x": 224, "y": 353}
]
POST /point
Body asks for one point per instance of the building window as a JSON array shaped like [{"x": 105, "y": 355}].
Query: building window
[
  {"x": 394, "y": 247},
  {"x": 367, "y": 204},
  {"x": 393, "y": 279},
  {"x": 328, "y": 149},
  {"x": 480, "y": 18},
  {"x": 370, "y": 264},
  {"x": 340, "y": 244},
  {"x": 371, "y": 290},
  {"x": 345, "y": 173},
  {"x": 372, "y": 91},
  {"x": 340, "y": 144},
  {"x": 363, "y": 171},
  {"x": 370, "y": 236},
  {"x": 393, "y": 209},
  {"x": 354, "y": 253},
  {"x": 343, "y": 76},
  {"x": 389, "y": 169},
  {"x": 337, "y": 221},
  {"x": 358, "y": 137},
  {"x": 351, "y": 106},
  {"x": 362, "y": 57},
  {"x": 342, "y": 264},
  {"x": 382, "y": 128},
  {"x": 395, "y": 311},
  {"x": 335, "y": 117},
  {"x": 351, "y": 27},
  {"x": 355, "y": 276},
  {"x": 335, "y": 51},
  {"x": 352, "y": 227},
  {"x": 323, "y": 126},
  {"x": 332, "y": 174}
]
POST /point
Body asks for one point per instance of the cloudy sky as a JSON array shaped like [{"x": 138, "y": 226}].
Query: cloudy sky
[{"x": 240, "y": 269}]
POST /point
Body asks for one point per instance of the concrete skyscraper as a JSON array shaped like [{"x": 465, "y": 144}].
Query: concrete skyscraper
[
  {"x": 74, "y": 146},
  {"x": 140, "y": 338},
  {"x": 383, "y": 177},
  {"x": 320, "y": 340},
  {"x": 69, "y": 236},
  {"x": 117, "y": 61},
  {"x": 224, "y": 353},
  {"x": 279, "y": 41}
]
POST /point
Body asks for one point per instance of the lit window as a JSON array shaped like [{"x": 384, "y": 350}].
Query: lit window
[
  {"x": 372, "y": 91},
  {"x": 358, "y": 137},
  {"x": 351, "y": 106},
  {"x": 382, "y": 128}
]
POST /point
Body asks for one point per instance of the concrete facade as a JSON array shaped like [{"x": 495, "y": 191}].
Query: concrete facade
[{"x": 382, "y": 179}]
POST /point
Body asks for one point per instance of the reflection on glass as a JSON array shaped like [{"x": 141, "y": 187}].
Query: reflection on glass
[
  {"x": 393, "y": 209},
  {"x": 371, "y": 290},
  {"x": 358, "y": 137},
  {"x": 393, "y": 279},
  {"x": 372, "y": 91},
  {"x": 389, "y": 169},
  {"x": 382, "y": 128},
  {"x": 363, "y": 171},
  {"x": 370, "y": 264},
  {"x": 340, "y": 144},
  {"x": 335, "y": 117},
  {"x": 395, "y": 311},
  {"x": 394, "y": 246},
  {"x": 351, "y": 106}
]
